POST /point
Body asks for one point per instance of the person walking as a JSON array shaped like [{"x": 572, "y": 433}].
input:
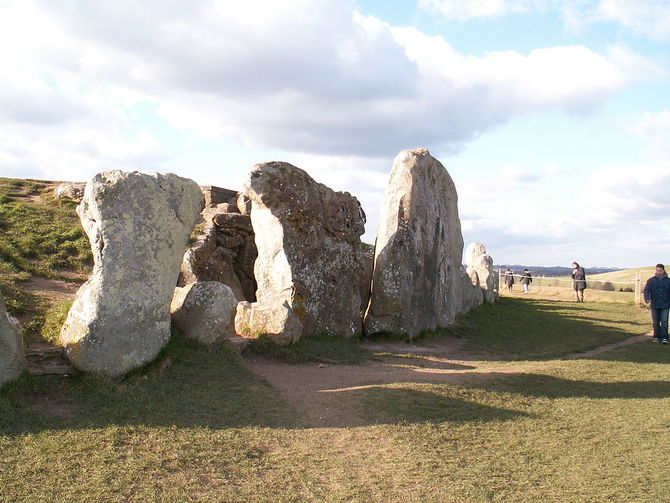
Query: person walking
[
  {"x": 509, "y": 279},
  {"x": 578, "y": 281},
  {"x": 657, "y": 291},
  {"x": 526, "y": 280}
]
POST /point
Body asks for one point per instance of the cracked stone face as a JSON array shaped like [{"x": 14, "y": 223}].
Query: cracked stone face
[
  {"x": 309, "y": 248},
  {"x": 418, "y": 280},
  {"x": 138, "y": 226}
]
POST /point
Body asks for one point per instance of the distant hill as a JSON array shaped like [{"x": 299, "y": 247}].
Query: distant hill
[
  {"x": 556, "y": 271},
  {"x": 627, "y": 274}
]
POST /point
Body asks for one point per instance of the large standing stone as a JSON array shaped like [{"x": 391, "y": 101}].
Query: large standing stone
[
  {"x": 138, "y": 225},
  {"x": 204, "y": 311},
  {"x": 481, "y": 263},
  {"x": 309, "y": 247},
  {"x": 12, "y": 357},
  {"x": 418, "y": 277}
]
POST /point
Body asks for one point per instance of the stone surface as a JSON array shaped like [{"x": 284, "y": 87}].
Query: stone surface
[
  {"x": 481, "y": 263},
  {"x": 224, "y": 250},
  {"x": 309, "y": 248},
  {"x": 471, "y": 293},
  {"x": 418, "y": 277},
  {"x": 276, "y": 321},
  {"x": 138, "y": 226},
  {"x": 74, "y": 191},
  {"x": 204, "y": 311},
  {"x": 12, "y": 357},
  {"x": 367, "y": 258},
  {"x": 218, "y": 195}
]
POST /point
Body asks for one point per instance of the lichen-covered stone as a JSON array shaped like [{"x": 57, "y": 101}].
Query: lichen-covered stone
[
  {"x": 224, "y": 250},
  {"x": 12, "y": 357},
  {"x": 204, "y": 311},
  {"x": 309, "y": 247},
  {"x": 73, "y": 191},
  {"x": 418, "y": 277},
  {"x": 481, "y": 263},
  {"x": 276, "y": 321},
  {"x": 138, "y": 226}
]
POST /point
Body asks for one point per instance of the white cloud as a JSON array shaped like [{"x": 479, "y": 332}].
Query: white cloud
[
  {"x": 306, "y": 76},
  {"x": 654, "y": 129},
  {"x": 650, "y": 18}
]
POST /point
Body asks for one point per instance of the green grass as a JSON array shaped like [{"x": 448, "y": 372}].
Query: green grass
[
  {"x": 39, "y": 238},
  {"x": 197, "y": 426},
  {"x": 529, "y": 328},
  {"x": 318, "y": 348}
]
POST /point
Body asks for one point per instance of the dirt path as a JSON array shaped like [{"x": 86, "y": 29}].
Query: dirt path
[
  {"x": 318, "y": 392},
  {"x": 51, "y": 288}
]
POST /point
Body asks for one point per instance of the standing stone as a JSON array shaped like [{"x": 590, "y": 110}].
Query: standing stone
[
  {"x": 138, "y": 226},
  {"x": 204, "y": 311},
  {"x": 481, "y": 263},
  {"x": 418, "y": 277},
  {"x": 472, "y": 295},
  {"x": 12, "y": 357},
  {"x": 309, "y": 247}
]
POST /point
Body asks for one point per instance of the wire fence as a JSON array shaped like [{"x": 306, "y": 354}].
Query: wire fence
[{"x": 597, "y": 290}]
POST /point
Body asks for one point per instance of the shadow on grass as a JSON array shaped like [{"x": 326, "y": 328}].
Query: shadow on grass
[
  {"x": 544, "y": 386},
  {"x": 393, "y": 405},
  {"x": 190, "y": 385},
  {"x": 518, "y": 329}
]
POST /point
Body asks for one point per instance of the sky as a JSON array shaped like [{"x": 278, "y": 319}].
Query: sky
[{"x": 552, "y": 117}]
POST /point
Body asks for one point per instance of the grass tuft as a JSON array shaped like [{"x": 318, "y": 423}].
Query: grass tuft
[{"x": 319, "y": 348}]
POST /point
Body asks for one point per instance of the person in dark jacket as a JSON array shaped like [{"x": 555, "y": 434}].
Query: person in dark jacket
[
  {"x": 657, "y": 291},
  {"x": 578, "y": 281},
  {"x": 509, "y": 279},
  {"x": 526, "y": 280}
]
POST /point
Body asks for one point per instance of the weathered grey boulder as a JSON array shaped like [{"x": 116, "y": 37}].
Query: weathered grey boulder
[
  {"x": 66, "y": 190},
  {"x": 277, "y": 321},
  {"x": 12, "y": 357},
  {"x": 309, "y": 247},
  {"x": 418, "y": 277},
  {"x": 471, "y": 293},
  {"x": 204, "y": 311},
  {"x": 138, "y": 226},
  {"x": 481, "y": 263},
  {"x": 224, "y": 250}
]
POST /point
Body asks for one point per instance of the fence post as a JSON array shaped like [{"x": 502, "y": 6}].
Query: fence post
[{"x": 638, "y": 289}]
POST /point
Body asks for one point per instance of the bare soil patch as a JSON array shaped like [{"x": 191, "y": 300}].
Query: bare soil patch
[{"x": 318, "y": 392}]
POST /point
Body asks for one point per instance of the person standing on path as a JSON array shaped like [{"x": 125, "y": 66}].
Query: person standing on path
[
  {"x": 657, "y": 291},
  {"x": 578, "y": 281},
  {"x": 509, "y": 279},
  {"x": 526, "y": 280}
]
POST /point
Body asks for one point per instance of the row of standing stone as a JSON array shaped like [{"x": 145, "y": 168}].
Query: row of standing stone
[{"x": 312, "y": 273}]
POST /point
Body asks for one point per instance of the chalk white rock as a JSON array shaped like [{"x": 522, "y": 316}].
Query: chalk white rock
[
  {"x": 12, "y": 357},
  {"x": 138, "y": 226},
  {"x": 204, "y": 311}
]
